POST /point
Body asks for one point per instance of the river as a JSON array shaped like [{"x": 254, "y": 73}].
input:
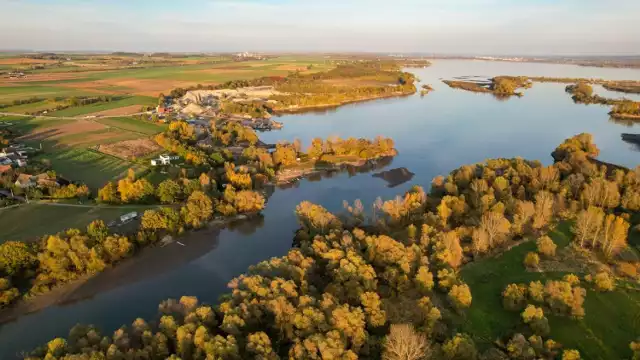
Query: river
[{"x": 434, "y": 135}]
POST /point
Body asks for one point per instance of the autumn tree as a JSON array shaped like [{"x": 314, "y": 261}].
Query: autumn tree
[
  {"x": 460, "y": 347},
  {"x": 546, "y": 246},
  {"x": 16, "y": 257},
  {"x": 460, "y": 296},
  {"x": 404, "y": 343},
  {"x": 197, "y": 210},
  {"x": 534, "y": 317}
]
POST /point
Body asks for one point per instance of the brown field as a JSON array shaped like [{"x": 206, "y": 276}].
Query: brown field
[
  {"x": 130, "y": 149},
  {"x": 93, "y": 86},
  {"x": 52, "y": 131},
  {"x": 121, "y": 111},
  {"x": 291, "y": 68},
  {"x": 91, "y": 138},
  {"x": 41, "y": 77},
  {"x": 19, "y": 61}
]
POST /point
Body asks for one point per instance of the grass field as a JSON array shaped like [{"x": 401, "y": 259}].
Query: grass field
[
  {"x": 91, "y": 167},
  {"x": 612, "y": 319},
  {"x": 31, "y": 221},
  {"x": 135, "y": 125},
  {"x": 93, "y": 108}
]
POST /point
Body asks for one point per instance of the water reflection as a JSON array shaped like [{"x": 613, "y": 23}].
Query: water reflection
[{"x": 395, "y": 177}]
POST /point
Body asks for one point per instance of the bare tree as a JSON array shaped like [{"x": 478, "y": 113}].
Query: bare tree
[{"x": 404, "y": 343}]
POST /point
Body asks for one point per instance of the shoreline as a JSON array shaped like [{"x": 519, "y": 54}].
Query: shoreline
[
  {"x": 625, "y": 116},
  {"x": 291, "y": 175},
  {"x": 311, "y": 108},
  {"x": 147, "y": 262}
]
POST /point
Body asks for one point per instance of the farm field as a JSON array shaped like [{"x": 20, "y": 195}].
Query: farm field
[
  {"x": 31, "y": 221},
  {"x": 133, "y": 125},
  {"x": 100, "y": 107},
  {"x": 67, "y": 145},
  {"x": 611, "y": 320},
  {"x": 152, "y": 79}
]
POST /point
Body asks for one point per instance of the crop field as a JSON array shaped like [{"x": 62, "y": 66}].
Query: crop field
[
  {"x": 612, "y": 319},
  {"x": 100, "y": 107},
  {"x": 77, "y": 78},
  {"x": 133, "y": 125},
  {"x": 68, "y": 143},
  {"x": 31, "y": 221}
]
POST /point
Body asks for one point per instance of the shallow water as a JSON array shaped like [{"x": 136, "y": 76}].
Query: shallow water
[{"x": 434, "y": 135}]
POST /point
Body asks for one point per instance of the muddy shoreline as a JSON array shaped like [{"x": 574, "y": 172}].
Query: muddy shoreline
[{"x": 150, "y": 261}]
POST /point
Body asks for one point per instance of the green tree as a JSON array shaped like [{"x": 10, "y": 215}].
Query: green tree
[{"x": 168, "y": 191}]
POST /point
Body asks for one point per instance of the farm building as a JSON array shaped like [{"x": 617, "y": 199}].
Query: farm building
[{"x": 164, "y": 160}]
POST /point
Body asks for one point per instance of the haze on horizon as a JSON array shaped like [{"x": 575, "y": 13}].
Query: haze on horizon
[{"x": 522, "y": 27}]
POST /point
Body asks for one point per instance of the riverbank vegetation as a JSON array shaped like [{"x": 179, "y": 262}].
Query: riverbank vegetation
[
  {"x": 349, "y": 82},
  {"x": 432, "y": 270},
  {"x": 221, "y": 180},
  {"x": 500, "y": 86},
  {"x": 622, "y": 109}
]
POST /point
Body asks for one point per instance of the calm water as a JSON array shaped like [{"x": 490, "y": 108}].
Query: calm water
[{"x": 434, "y": 135}]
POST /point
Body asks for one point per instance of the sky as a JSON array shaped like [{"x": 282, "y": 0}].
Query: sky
[{"x": 472, "y": 27}]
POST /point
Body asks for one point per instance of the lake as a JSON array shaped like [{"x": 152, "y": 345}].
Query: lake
[{"x": 434, "y": 135}]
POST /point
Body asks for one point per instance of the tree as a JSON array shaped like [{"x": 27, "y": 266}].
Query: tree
[
  {"x": 587, "y": 225},
  {"x": 570, "y": 354},
  {"x": 259, "y": 345},
  {"x": 546, "y": 246},
  {"x": 460, "y": 347},
  {"x": 247, "y": 201},
  {"x": 460, "y": 296},
  {"x": 98, "y": 230},
  {"x": 16, "y": 257},
  {"x": 168, "y": 191},
  {"x": 514, "y": 297},
  {"x": 532, "y": 260},
  {"x": 404, "y": 343},
  {"x": 493, "y": 231},
  {"x": 614, "y": 236},
  {"x": 604, "y": 282},
  {"x": 543, "y": 209},
  {"x": 534, "y": 316},
  {"x": 197, "y": 210},
  {"x": 108, "y": 194}
]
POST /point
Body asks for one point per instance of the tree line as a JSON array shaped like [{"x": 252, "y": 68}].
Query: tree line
[{"x": 385, "y": 283}]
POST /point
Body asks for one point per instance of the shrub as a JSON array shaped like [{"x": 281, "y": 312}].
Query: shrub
[
  {"x": 627, "y": 269},
  {"x": 532, "y": 260},
  {"x": 571, "y": 355},
  {"x": 514, "y": 297},
  {"x": 460, "y": 296},
  {"x": 604, "y": 282},
  {"x": 534, "y": 316},
  {"x": 572, "y": 279},
  {"x": 546, "y": 246}
]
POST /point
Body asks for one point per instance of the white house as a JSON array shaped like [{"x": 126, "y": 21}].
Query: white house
[{"x": 164, "y": 160}]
